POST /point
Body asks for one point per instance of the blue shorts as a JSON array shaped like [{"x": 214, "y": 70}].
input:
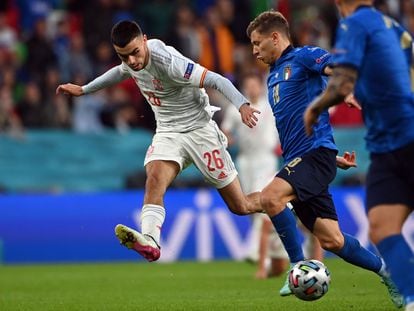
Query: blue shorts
[
  {"x": 310, "y": 176},
  {"x": 390, "y": 178}
]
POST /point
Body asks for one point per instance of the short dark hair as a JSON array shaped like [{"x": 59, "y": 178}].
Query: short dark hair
[
  {"x": 124, "y": 32},
  {"x": 267, "y": 22}
]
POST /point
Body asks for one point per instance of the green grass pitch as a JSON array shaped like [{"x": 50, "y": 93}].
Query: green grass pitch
[{"x": 223, "y": 285}]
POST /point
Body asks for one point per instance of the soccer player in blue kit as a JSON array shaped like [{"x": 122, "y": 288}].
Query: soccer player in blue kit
[
  {"x": 296, "y": 77},
  {"x": 371, "y": 60}
]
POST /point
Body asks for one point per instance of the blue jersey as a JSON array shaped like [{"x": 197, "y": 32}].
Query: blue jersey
[
  {"x": 381, "y": 51},
  {"x": 295, "y": 79}
]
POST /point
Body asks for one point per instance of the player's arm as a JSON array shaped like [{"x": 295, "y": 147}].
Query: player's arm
[
  {"x": 340, "y": 85},
  {"x": 109, "y": 78},
  {"x": 225, "y": 87}
]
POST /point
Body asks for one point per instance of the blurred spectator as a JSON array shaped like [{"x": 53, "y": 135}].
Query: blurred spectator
[
  {"x": 37, "y": 36},
  {"x": 33, "y": 10},
  {"x": 87, "y": 110},
  {"x": 10, "y": 123},
  {"x": 97, "y": 23},
  {"x": 58, "y": 114},
  {"x": 40, "y": 54},
  {"x": 218, "y": 44},
  {"x": 155, "y": 16},
  {"x": 78, "y": 60},
  {"x": 8, "y": 36},
  {"x": 237, "y": 23},
  {"x": 58, "y": 30},
  {"x": 122, "y": 10},
  {"x": 31, "y": 108},
  {"x": 119, "y": 113},
  {"x": 183, "y": 34},
  {"x": 142, "y": 110},
  {"x": 103, "y": 60}
]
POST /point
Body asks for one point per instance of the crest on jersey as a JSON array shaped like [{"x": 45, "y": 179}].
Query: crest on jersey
[
  {"x": 287, "y": 72},
  {"x": 189, "y": 71},
  {"x": 157, "y": 85}
]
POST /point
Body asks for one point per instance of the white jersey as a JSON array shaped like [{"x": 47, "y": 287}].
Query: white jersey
[
  {"x": 171, "y": 83},
  {"x": 263, "y": 138}
]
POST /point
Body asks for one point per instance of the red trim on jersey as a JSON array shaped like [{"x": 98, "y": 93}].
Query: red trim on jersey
[{"x": 202, "y": 78}]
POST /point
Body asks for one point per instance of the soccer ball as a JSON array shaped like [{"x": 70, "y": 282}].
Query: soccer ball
[{"x": 309, "y": 279}]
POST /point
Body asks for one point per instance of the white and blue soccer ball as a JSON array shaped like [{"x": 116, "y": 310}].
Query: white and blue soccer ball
[{"x": 309, "y": 279}]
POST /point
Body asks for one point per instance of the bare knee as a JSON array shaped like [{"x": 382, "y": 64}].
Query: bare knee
[
  {"x": 333, "y": 242},
  {"x": 272, "y": 202},
  {"x": 386, "y": 220}
]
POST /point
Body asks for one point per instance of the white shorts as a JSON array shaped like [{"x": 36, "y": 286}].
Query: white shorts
[{"x": 205, "y": 147}]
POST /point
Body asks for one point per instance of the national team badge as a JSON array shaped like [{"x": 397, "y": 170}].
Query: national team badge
[
  {"x": 287, "y": 72},
  {"x": 157, "y": 85}
]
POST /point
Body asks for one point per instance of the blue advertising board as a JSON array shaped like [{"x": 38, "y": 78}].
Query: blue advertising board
[{"x": 198, "y": 226}]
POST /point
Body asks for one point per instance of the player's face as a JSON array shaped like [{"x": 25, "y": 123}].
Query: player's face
[
  {"x": 265, "y": 46},
  {"x": 135, "y": 53}
]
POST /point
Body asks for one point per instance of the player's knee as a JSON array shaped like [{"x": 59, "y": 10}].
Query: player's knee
[
  {"x": 376, "y": 233},
  {"x": 154, "y": 186},
  {"x": 378, "y": 229},
  {"x": 272, "y": 202},
  {"x": 332, "y": 243}
]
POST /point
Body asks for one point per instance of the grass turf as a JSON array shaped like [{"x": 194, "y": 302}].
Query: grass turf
[{"x": 177, "y": 286}]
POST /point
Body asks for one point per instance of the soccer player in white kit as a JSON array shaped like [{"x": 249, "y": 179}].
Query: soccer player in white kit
[
  {"x": 257, "y": 164},
  {"x": 174, "y": 87}
]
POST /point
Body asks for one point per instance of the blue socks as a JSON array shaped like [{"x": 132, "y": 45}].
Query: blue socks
[
  {"x": 285, "y": 225},
  {"x": 400, "y": 264},
  {"x": 355, "y": 254}
]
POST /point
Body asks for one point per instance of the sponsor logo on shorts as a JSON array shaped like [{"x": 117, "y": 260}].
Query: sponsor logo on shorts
[
  {"x": 222, "y": 175},
  {"x": 289, "y": 170}
]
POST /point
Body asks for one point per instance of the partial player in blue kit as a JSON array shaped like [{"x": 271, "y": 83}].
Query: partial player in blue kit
[
  {"x": 373, "y": 59},
  {"x": 296, "y": 77}
]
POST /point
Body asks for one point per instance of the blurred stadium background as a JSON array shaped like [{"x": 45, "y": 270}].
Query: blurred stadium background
[{"x": 72, "y": 168}]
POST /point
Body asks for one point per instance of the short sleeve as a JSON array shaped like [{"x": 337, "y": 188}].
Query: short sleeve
[
  {"x": 314, "y": 58},
  {"x": 350, "y": 44}
]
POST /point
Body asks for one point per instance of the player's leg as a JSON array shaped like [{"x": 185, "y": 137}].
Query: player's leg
[
  {"x": 386, "y": 222},
  {"x": 344, "y": 245},
  {"x": 206, "y": 147},
  {"x": 279, "y": 259},
  {"x": 160, "y": 174},
  {"x": 349, "y": 249},
  {"x": 253, "y": 253},
  {"x": 263, "y": 242},
  {"x": 390, "y": 199},
  {"x": 163, "y": 162},
  {"x": 274, "y": 199},
  {"x": 239, "y": 203},
  {"x": 301, "y": 179}
]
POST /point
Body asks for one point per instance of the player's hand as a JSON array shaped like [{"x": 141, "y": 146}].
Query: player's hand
[
  {"x": 351, "y": 101},
  {"x": 248, "y": 115},
  {"x": 69, "y": 89},
  {"x": 347, "y": 161}
]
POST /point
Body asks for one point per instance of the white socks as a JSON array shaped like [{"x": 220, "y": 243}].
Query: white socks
[{"x": 152, "y": 218}]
